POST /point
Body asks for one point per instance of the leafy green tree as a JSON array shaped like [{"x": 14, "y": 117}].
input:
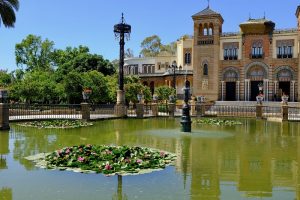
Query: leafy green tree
[
  {"x": 96, "y": 81},
  {"x": 151, "y": 46},
  {"x": 170, "y": 48},
  {"x": 5, "y": 78},
  {"x": 112, "y": 84},
  {"x": 35, "y": 53},
  {"x": 73, "y": 87},
  {"x": 81, "y": 60},
  {"x": 7, "y": 12},
  {"x": 163, "y": 92},
  {"x": 133, "y": 87},
  {"x": 36, "y": 86}
]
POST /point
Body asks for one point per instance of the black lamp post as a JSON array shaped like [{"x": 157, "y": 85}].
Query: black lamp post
[
  {"x": 122, "y": 31},
  {"x": 174, "y": 66},
  {"x": 186, "y": 121}
]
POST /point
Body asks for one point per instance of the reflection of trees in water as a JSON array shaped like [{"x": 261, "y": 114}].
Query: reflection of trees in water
[
  {"x": 4, "y": 149},
  {"x": 6, "y": 194}
]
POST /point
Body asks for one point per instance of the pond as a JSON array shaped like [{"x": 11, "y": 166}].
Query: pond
[{"x": 256, "y": 160}]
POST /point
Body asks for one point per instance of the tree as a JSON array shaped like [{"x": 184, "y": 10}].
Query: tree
[
  {"x": 80, "y": 60},
  {"x": 7, "y": 12},
  {"x": 170, "y": 48},
  {"x": 35, "y": 53},
  {"x": 163, "y": 92},
  {"x": 5, "y": 78},
  {"x": 151, "y": 46},
  {"x": 96, "y": 81},
  {"x": 129, "y": 53},
  {"x": 133, "y": 87}
]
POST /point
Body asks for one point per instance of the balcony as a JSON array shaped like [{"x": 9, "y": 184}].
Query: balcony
[
  {"x": 283, "y": 56},
  {"x": 257, "y": 56},
  {"x": 205, "y": 40},
  {"x": 230, "y": 57}
]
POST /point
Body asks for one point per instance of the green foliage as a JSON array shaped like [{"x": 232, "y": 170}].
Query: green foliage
[
  {"x": 7, "y": 12},
  {"x": 5, "y": 78},
  {"x": 151, "y": 46},
  {"x": 73, "y": 87},
  {"x": 109, "y": 159},
  {"x": 34, "y": 53},
  {"x": 218, "y": 122},
  {"x": 96, "y": 81},
  {"x": 56, "y": 124},
  {"x": 81, "y": 60},
  {"x": 133, "y": 87},
  {"x": 163, "y": 92}
]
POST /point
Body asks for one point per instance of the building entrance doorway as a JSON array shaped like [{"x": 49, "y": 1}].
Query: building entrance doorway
[
  {"x": 254, "y": 90},
  {"x": 230, "y": 91},
  {"x": 284, "y": 87}
]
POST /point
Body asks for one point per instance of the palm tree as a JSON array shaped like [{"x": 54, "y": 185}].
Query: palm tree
[{"x": 7, "y": 12}]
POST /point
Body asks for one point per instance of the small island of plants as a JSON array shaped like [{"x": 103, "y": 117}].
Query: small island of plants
[
  {"x": 56, "y": 124},
  {"x": 109, "y": 160},
  {"x": 218, "y": 122}
]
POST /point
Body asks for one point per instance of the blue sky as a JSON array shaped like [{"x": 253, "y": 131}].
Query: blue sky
[{"x": 73, "y": 23}]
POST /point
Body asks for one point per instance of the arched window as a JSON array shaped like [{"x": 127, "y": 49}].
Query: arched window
[
  {"x": 205, "y": 69},
  {"x": 187, "y": 58},
  {"x": 200, "y": 30},
  {"x": 210, "y": 31}
]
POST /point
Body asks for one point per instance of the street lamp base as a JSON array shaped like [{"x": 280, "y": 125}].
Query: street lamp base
[{"x": 120, "y": 97}]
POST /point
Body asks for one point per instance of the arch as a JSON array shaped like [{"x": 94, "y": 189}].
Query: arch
[
  {"x": 230, "y": 74},
  {"x": 205, "y": 69},
  {"x": 200, "y": 30},
  {"x": 145, "y": 83},
  {"x": 188, "y": 83},
  {"x": 256, "y": 70},
  {"x": 152, "y": 87},
  {"x": 205, "y": 30},
  {"x": 187, "y": 58},
  {"x": 210, "y": 29},
  {"x": 284, "y": 73}
]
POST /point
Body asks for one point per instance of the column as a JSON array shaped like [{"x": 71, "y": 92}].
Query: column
[
  {"x": 247, "y": 90},
  {"x": 222, "y": 88},
  {"x": 293, "y": 91},
  {"x": 275, "y": 89},
  {"x": 238, "y": 90}
]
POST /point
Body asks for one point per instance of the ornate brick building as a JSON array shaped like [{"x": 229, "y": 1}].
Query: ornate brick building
[{"x": 232, "y": 66}]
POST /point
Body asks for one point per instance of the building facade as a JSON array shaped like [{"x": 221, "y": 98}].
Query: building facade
[{"x": 230, "y": 66}]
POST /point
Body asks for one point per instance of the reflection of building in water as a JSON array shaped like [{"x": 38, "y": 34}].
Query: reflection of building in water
[
  {"x": 205, "y": 177},
  {"x": 262, "y": 158},
  {"x": 4, "y": 149},
  {"x": 6, "y": 194}
]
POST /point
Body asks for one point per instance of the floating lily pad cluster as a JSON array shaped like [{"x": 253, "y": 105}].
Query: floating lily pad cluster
[
  {"x": 56, "y": 124},
  {"x": 108, "y": 159},
  {"x": 218, "y": 122}
]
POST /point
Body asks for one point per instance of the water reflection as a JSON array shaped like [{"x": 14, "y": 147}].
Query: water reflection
[
  {"x": 4, "y": 149},
  {"x": 6, "y": 194},
  {"x": 259, "y": 157}
]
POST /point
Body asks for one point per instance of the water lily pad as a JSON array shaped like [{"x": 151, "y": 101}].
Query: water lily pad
[
  {"x": 56, "y": 124},
  {"x": 109, "y": 160}
]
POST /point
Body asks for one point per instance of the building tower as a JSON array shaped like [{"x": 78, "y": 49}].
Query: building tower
[
  {"x": 298, "y": 26},
  {"x": 206, "y": 53}
]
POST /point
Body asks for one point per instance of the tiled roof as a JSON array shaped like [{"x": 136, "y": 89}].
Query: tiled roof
[{"x": 206, "y": 11}]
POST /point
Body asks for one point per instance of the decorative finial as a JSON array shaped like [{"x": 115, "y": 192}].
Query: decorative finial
[
  {"x": 207, "y": 3},
  {"x": 249, "y": 16},
  {"x": 264, "y": 15},
  {"x": 122, "y": 20}
]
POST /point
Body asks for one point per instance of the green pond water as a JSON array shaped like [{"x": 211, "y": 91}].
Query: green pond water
[{"x": 256, "y": 160}]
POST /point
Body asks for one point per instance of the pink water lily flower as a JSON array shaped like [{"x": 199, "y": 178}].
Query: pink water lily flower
[
  {"x": 162, "y": 154},
  {"x": 139, "y": 161},
  {"x": 67, "y": 151},
  {"x": 80, "y": 159},
  {"x": 108, "y": 166}
]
